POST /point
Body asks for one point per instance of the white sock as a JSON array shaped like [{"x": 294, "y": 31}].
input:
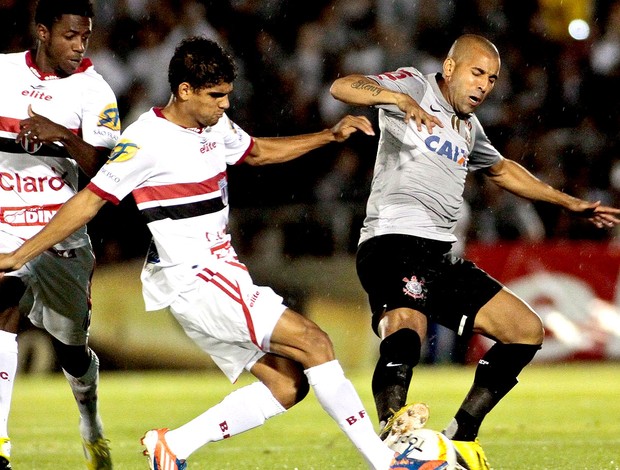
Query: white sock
[
  {"x": 338, "y": 397},
  {"x": 240, "y": 411},
  {"x": 85, "y": 392},
  {"x": 8, "y": 369}
]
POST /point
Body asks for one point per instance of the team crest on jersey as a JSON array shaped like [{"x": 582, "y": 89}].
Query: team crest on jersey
[
  {"x": 30, "y": 146},
  {"x": 414, "y": 287},
  {"x": 109, "y": 117},
  {"x": 123, "y": 151},
  {"x": 223, "y": 185},
  {"x": 463, "y": 128}
]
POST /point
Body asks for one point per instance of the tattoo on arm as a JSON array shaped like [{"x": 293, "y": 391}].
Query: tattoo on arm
[{"x": 363, "y": 85}]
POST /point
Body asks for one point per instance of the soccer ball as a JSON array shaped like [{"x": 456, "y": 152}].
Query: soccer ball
[{"x": 422, "y": 449}]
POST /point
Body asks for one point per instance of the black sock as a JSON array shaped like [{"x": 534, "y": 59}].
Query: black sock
[
  {"x": 496, "y": 375},
  {"x": 399, "y": 354}
]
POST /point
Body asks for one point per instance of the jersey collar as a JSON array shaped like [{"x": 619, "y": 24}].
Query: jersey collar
[
  {"x": 158, "y": 112},
  {"x": 34, "y": 68}
]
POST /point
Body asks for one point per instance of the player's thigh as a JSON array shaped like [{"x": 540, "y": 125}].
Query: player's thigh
[
  {"x": 509, "y": 319},
  {"x": 58, "y": 294},
  {"x": 300, "y": 339}
]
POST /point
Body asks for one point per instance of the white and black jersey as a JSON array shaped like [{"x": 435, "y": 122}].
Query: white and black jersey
[
  {"x": 36, "y": 179},
  {"x": 178, "y": 179}
]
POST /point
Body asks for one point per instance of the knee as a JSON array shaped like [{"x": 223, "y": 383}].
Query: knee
[
  {"x": 532, "y": 330},
  {"x": 290, "y": 390},
  {"x": 318, "y": 346},
  {"x": 73, "y": 359}
]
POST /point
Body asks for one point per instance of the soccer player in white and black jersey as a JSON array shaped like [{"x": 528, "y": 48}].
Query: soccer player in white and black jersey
[
  {"x": 430, "y": 138},
  {"x": 57, "y": 115},
  {"x": 173, "y": 161}
]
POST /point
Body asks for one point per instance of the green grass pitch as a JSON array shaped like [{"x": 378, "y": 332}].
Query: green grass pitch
[{"x": 558, "y": 417}]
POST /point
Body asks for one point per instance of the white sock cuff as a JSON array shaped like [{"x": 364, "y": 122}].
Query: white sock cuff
[
  {"x": 265, "y": 400},
  {"x": 326, "y": 371},
  {"x": 8, "y": 342}
]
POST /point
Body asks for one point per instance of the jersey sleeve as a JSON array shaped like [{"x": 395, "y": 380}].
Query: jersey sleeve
[
  {"x": 237, "y": 142},
  {"x": 406, "y": 80},
  {"x": 101, "y": 125},
  {"x": 130, "y": 164},
  {"x": 483, "y": 154}
]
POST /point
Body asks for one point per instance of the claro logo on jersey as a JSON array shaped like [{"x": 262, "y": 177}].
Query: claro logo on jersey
[
  {"x": 28, "y": 216},
  {"x": 109, "y": 117},
  {"x": 123, "y": 151},
  {"x": 29, "y": 184}
]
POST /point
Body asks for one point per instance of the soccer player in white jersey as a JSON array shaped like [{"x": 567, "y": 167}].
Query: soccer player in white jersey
[
  {"x": 173, "y": 161},
  {"x": 430, "y": 138},
  {"x": 57, "y": 115}
]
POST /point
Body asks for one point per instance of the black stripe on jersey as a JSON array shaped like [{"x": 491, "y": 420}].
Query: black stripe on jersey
[
  {"x": 183, "y": 211},
  {"x": 45, "y": 150}
]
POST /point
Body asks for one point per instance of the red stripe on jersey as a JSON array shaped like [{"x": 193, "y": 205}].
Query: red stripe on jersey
[
  {"x": 211, "y": 277},
  {"x": 178, "y": 190},
  {"x": 9, "y": 124},
  {"x": 246, "y": 153},
  {"x": 102, "y": 194}
]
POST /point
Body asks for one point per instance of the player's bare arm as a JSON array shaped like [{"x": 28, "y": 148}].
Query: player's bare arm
[
  {"x": 75, "y": 213},
  {"x": 360, "y": 90},
  {"x": 268, "y": 150},
  {"x": 513, "y": 177},
  {"x": 40, "y": 129}
]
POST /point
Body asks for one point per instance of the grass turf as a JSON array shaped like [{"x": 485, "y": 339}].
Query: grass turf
[{"x": 558, "y": 417}]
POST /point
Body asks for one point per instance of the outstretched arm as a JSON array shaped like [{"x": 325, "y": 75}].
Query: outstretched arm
[
  {"x": 75, "y": 213},
  {"x": 39, "y": 129},
  {"x": 360, "y": 90},
  {"x": 512, "y": 177},
  {"x": 268, "y": 150}
]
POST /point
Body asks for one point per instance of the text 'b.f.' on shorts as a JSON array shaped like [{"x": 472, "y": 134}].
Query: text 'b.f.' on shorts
[{"x": 404, "y": 271}]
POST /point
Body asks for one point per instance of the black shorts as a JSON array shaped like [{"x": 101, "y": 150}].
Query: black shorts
[{"x": 405, "y": 271}]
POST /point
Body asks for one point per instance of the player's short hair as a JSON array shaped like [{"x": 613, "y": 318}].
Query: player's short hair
[
  {"x": 49, "y": 12},
  {"x": 202, "y": 63}
]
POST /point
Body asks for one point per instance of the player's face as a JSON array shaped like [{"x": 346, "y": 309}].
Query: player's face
[
  {"x": 61, "y": 48},
  {"x": 208, "y": 105},
  {"x": 469, "y": 79}
]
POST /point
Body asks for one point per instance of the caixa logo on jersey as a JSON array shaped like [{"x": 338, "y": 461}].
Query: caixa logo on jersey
[{"x": 28, "y": 216}]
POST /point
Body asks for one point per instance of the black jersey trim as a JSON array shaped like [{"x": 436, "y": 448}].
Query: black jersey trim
[
  {"x": 45, "y": 150},
  {"x": 183, "y": 211}
]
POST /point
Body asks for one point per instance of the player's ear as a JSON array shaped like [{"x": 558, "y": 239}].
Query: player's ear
[
  {"x": 42, "y": 32},
  {"x": 448, "y": 67},
  {"x": 184, "y": 90}
]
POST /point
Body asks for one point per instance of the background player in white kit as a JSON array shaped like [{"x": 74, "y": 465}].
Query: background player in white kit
[
  {"x": 173, "y": 161},
  {"x": 430, "y": 138},
  {"x": 56, "y": 113}
]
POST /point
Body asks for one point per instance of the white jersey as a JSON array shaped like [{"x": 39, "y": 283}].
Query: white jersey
[
  {"x": 419, "y": 178},
  {"x": 36, "y": 179},
  {"x": 178, "y": 179}
]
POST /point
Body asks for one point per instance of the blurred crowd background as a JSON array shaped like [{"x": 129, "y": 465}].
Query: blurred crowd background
[{"x": 555, "y": 108}]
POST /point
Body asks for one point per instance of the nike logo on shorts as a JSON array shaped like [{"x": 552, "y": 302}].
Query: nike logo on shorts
[{"x": 393, "y": 364}]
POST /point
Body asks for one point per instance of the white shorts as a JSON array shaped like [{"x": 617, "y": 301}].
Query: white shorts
[
  {"x": 57, "y": 296},
  {"x": 229, "y": 317}
]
